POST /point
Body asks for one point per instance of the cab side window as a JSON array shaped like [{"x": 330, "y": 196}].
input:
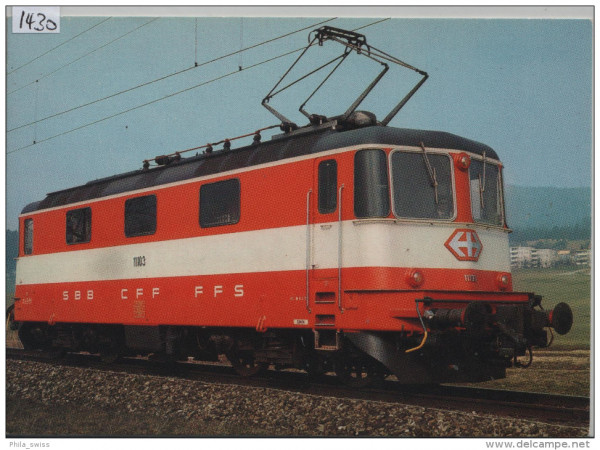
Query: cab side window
[{"x": 327, "y": 186}]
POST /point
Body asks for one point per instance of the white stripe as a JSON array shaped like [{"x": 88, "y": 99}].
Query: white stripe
[
  {"x": 391, "y": 243},
  {"x": 379, "y": 243}
]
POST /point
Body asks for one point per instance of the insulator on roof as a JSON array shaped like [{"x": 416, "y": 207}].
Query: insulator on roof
[
  {"x": 227, "y": 145},
  {"x": 256, "y": 139},
  {"x": 287, "y": 127},
  {"x": 317, "y": 119},
  {"x": 162, "y": 160}
]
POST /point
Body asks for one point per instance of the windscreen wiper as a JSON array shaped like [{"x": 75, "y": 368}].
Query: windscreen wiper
[
  {"x": 431, "y": 173},
  {"x": 482, "y": 183}
]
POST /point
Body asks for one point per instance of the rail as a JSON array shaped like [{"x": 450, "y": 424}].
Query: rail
[{"x": 565, "y": 410}]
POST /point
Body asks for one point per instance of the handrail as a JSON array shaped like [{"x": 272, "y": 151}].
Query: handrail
[
  {"x": 308, "y": 250},
  {"x": 340, "y": 236},
  {"x": 176, "y": 156}
]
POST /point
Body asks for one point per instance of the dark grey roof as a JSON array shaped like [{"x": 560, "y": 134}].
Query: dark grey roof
[{"x": 288, "y": 146}]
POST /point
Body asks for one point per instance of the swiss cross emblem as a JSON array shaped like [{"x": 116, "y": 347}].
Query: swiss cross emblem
[{"x": 464, "y": 244}]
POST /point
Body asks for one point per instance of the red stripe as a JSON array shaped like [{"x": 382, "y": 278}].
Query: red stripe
[{"x": 375, "y": 298}]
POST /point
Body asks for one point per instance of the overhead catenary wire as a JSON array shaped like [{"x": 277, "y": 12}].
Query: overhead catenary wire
[
  {"x": 173, "y": 94},
  {"x": 157, "y": 100},
  {"x": 241, "y": 61},
  {"x": 196, "y": 42},
  {"x": 35, "y": 108},
  {"x": 371, "y": 24},
  {"x": 83, "y": 56},
  {"x": 101, "y": 99},
  {"x": 179, "y": 72},
  {"x": 59, "y": 45}
]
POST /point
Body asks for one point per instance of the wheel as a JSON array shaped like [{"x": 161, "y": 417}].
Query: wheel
[
  {"x": 109, "y": 356},
  {"x": 10, "y": 319},
  {"x": 54, "y": 353},
  {"x": 356, "y": 372},
  {"x": 12, "y": 328},
  {"x": 110, "y": 346},
  {"x": 314, "y": 367},
  {"x": 32, "y": 336},
  {"x": 243, "y": 362}
]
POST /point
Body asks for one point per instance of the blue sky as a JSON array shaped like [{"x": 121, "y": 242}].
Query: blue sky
[{"x": 524, "y": 87}]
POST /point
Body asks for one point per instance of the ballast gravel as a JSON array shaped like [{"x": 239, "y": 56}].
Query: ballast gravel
[{"x": 244, "y": 411}]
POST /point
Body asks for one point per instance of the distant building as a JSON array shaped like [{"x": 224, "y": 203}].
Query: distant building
[
  {"x": 521, "y": 257},
  {"x": 565, "y": 257},
  {"x": 583, "y": 258},
  {"x": 545, "y": 257}
]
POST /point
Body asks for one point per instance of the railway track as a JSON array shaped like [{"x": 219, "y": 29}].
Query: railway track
[{"x": 547, "y": 408}]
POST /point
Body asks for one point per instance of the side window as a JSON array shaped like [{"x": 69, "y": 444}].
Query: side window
[
  {"x": 79, "y": 225},
  {"x": 327, "y": 186},
  {"x": 371, "y": 186},
  {"x": 28, "y": 237},
  {"x": 220, "y": 203},
  {"x": 140, "y": 216}
]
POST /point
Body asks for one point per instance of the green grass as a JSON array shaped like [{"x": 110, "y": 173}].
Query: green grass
[{"x": 570, "y": 285}]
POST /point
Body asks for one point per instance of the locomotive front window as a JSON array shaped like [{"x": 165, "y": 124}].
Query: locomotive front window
[
  {"x": 371, "y": 186},
  {"x": 486, "y": 192},
  {"x": 140, "y": 216},
  {"x": 28, "y": 237},
  {"x": 79, "y": 225},
  {"x": 422, "y": 185},
  {"x": 220, "y": 203}
]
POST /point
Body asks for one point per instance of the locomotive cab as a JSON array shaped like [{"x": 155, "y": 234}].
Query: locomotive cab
[{"x": 431, "y": 235}]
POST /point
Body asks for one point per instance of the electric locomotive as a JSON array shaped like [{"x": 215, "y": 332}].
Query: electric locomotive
[{"x": 344, "y": 245}]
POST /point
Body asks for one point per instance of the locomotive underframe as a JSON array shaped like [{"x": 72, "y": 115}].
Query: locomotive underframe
[{"x": 472, "y": 342}]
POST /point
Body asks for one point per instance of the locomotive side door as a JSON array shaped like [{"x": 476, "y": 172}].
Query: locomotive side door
[{"x": 325, "y": 263}]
